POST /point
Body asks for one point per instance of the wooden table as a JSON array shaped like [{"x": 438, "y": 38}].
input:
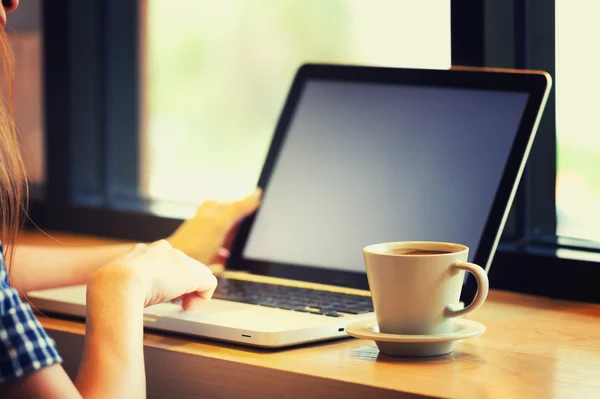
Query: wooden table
[{"x": 533, "y": 348}]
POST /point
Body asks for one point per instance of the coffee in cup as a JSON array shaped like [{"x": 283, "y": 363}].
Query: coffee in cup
[
  {"x": 416, "y": 286},
  {"x": 416, "y": 251}
]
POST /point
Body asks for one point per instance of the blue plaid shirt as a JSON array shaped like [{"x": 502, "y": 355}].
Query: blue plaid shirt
[{"x": 24, "y": 345}]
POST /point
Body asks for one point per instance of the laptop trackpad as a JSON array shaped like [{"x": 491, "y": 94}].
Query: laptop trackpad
[
  {"x": 236, "y": 315},
  {"x": 211, "y": 307}
]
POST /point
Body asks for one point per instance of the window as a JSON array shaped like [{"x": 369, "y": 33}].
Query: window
[
  {"x": 141, "y": 95},
  {"x": 577, "y": 123},
  {"x": 216, "y": 75}
]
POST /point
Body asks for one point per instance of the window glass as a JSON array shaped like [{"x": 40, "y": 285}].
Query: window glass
[
  {"x": 577, "y": 122},
  {"x": 216, "y": 74}
]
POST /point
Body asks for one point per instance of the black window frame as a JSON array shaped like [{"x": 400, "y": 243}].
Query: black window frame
[{"x": 91, "y": 90}]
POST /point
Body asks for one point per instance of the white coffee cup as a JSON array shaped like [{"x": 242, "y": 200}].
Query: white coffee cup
[{"x": 419, "y": 293}]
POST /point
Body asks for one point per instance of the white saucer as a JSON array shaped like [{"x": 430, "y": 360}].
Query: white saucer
[{"x": 416, "y": 345}]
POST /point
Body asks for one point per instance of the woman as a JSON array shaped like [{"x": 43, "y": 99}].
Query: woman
[{"x": 121, "y": 281}]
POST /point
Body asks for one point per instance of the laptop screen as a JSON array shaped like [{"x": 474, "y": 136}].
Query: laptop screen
[{"x": 364, "y": 163}]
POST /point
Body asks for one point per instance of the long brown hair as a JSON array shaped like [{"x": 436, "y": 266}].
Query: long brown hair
[{"x": 13, "y": 182}]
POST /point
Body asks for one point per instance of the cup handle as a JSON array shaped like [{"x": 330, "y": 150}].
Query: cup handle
[{"x": 482, "y": 289}]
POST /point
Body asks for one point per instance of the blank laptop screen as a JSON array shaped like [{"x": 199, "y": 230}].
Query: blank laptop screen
[{"x": 364, "y": 163}]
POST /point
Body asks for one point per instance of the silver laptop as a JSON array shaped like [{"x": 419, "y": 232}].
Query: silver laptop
[{"x": 360, "y": 155}]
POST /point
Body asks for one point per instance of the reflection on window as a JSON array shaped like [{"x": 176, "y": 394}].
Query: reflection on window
[
  {"x": 25, "y": 35},
  {"x": 578, "y": 126},
  {"x": 216, "y": 74}
]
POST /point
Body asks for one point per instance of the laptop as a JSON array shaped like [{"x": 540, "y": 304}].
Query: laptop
[{"x": 360, "y": 155}]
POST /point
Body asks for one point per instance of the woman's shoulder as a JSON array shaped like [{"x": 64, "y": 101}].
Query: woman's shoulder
[{"x": 24, "y": 344}]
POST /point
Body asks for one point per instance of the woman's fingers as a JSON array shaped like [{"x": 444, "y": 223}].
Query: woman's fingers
[
  {"x": 138, "y": 248},
  {"x": 247, "y": 205},
  {"x": 192, "y": 301},
  {"x": 223, "y": 252},
  {"x": 213, "y": 227},
  {"x": 160, "y": 246},
  {"x": 243, "y": 207},
  {"x": 216, "y": 268},
  {"x": 166, "y": 274},
  {"x": 198, "y": 276},
  {"x": 221, "y": 256},
  {"x": 207, "y": 293}
]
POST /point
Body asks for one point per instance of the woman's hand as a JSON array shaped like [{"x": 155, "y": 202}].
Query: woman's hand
[
  {"x": 112, "y": 364},
  {"x": 161, "y": 272},
  {"x": 207, "y": 236}
]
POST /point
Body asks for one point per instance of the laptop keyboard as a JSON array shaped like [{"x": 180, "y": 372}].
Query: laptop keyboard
[{"x": 327, "y": 303}]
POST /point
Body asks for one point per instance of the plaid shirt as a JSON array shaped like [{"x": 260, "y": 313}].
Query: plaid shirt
[{"x": 24, "y": 345}]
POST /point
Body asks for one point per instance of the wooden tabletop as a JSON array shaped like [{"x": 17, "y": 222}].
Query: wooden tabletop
[{"x": 533, "y": 348}]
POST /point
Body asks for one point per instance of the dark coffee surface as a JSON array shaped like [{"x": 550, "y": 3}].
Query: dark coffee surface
[{"x": 416, "y": 251}]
